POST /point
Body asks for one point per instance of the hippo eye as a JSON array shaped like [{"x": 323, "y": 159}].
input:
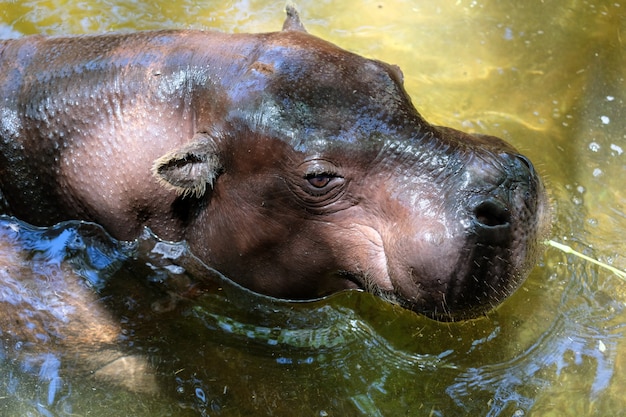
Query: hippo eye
[
  {"x": 319, "y": 180},
  {"x": 319, "y": 184},
  {"x": 322, "y": 184}
]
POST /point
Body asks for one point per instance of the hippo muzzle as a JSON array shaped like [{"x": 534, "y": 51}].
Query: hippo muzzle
[{"x": 472, "y": 232}]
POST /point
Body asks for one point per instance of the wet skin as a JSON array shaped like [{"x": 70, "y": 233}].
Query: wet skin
[{"x": 294, "y": 167}]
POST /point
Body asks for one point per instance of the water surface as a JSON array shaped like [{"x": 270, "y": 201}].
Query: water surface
[{"x": 546, "y": 76}]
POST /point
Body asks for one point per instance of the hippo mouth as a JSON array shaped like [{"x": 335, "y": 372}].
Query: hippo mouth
[
  {"x": 465, "y": 286},
  {"x": 351, "y": 281}
]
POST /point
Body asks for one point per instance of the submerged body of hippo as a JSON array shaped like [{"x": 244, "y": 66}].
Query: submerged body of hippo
[{"x": 294, "y": 167}]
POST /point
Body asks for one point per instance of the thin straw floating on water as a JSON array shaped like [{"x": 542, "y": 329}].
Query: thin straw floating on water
[{"x": 621, "y": 274}]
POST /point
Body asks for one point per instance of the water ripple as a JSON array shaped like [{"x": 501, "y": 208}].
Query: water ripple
[{"x": 573, "y": 336}]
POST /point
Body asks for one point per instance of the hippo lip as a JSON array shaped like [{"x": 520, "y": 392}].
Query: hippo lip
[
  {"x": 352, "y": 281},
  {"x": 334, "y": 282}
]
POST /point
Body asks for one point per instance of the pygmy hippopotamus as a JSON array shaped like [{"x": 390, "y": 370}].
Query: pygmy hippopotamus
[{"x": 294, "y": 167}]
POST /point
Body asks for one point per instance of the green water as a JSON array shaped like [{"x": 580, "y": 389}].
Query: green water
[{"x": 546, "y": 76}]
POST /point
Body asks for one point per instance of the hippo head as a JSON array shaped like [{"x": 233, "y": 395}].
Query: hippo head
[{"x": 324, "y": 177}]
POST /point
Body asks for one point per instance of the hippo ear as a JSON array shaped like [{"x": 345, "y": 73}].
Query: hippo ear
[
  {"x": 189, "y": 168},
  {"x": 292, "y": 22}
]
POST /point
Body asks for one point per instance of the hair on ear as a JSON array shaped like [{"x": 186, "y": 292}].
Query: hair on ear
[{"x": 189, "y": 169}]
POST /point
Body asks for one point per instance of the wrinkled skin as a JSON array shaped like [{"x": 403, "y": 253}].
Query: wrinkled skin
[{"x": 296, "y": 168}]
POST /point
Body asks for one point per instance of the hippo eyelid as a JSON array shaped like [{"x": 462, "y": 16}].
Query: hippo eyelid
[
  {"x": 318, "y": 182},
  {"x": 316, "y": 167},
  {"x": 320, "y": 173}
]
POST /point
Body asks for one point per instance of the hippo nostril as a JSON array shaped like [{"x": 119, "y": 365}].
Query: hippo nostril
[
  {"x": 492, "y": 213},
  {"x": 520, "y": 162},
  {"x": 527, "y": 163}
]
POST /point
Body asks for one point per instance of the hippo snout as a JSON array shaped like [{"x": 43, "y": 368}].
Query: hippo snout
[{"x": 487, "y": 238}]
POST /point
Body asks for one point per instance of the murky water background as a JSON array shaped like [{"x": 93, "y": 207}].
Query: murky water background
[{"x": 547, "y": 76}]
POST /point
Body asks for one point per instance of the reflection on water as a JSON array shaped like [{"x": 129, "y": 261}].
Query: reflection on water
[
  {"x": 153, "y": 295},
  {"x": 160, "y": 326},
  {"x": 571, "y": 340},
  {"x": 105, "y": 328},
  {"x": 201, "y": 343}
]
